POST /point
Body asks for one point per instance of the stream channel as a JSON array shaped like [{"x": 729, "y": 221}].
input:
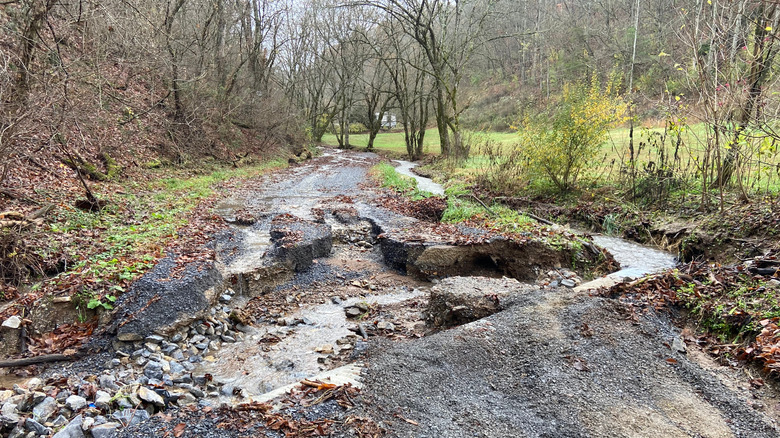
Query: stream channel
[{"x": 260, "y": 370}]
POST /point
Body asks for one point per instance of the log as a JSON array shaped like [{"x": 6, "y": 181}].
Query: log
[{"x": 46, "y": 358}]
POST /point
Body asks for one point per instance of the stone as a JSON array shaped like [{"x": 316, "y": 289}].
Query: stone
[
  {"x": 129, "y": 337},
  {"x": 324, "y": 349},
  {"x": 384, "y": 325},
  {"x": 13, "y": 322},
  {"x": 197, "y": 393},
  {"x": 156, "y": 339},
  {"x": 186, "y": 399},
  {"x": 153, "y": 370},
  {"x": 34, "y": 384},
  {"x": 18, "y": 432},
  {"x": 75, "y": 402},
  {"x": 568, "y": 283},
  {"x": 353, "y": 312},
  {"x": 102, "y": 400},
  {"x": 176, "y": 368},
  {"x": 9, "y": 419},
  {"x": 130, "y": 417},
  {"x": 88, "y": 423},
  {"x": 679, "y": 346},
  {"x": 59, "y": 421},
  {"x": 72, "y": 430},
  {"x": 105, "y": 430},
  {"x": 225, "y": 298},
  {"x": 34, "y": 426},
  {"x": 45, "y": 409},
  {"x": 150, "y": 396},
  {"x": 107, "y": 381},
  {"x": 460, "y": 300},
  {"x": 226, "y": 338},
  {"x": 5, "y": 395}
]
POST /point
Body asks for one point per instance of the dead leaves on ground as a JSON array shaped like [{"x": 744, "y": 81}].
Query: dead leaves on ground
[
  {"x": 64, "y": 337},
  {"x": 734, "y": 298},
  {"x": 254, "y": 416}
]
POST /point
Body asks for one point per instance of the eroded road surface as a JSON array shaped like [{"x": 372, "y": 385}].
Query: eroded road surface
[{"x": 318, "y": 282}]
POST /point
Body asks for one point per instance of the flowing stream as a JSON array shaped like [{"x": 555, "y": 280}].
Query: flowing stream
[{"x": 635, "y": 260}]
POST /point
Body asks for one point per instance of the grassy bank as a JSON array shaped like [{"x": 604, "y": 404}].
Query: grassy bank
[{"x": 94, "y": 256}]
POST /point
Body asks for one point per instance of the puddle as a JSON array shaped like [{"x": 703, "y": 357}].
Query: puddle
[
  {"x": 423, "y": 183},
  {"x": 258, "y": 365}
]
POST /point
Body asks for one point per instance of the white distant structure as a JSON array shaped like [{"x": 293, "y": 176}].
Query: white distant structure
[{"x": 388, "y": 120}]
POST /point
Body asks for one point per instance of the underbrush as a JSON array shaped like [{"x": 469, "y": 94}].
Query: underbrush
[
  {"x": 737, "y": 307},
  {"x": 94, "y": 256}
]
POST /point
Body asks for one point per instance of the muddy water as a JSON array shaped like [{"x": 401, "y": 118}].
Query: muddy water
[
  {"x": 272, "y": 356},
  {"x": 423, "y": 183}
]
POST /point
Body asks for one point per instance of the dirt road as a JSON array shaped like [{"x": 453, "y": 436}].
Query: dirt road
[{"x": 553, "y": 362}]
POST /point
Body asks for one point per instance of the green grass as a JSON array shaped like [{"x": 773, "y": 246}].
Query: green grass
[{"x": 111, "y": 248}]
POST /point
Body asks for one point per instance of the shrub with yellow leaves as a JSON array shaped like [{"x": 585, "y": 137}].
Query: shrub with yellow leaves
[{"x": 560, "y": 143}]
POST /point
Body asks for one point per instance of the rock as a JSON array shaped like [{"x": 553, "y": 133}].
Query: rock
[
  {"x": 102, "y": 400},
  {"x": 104, "y": 430},
  {"x": 75, "y": 403},
  {"x": 229, "y": 339},
  {"x": 225, "y": 298},
  {"x": 107, "y": 381},
  {"x": 130, "y": 417},
  {"x": 9, "y": 419},
  {"x": 186, "y": 399},
  {"x": 34, "y": 426},
  {"x": 459, "y": 300},
  {"x": 352, "y": 312},
  {"x": 45, "y": 409},
  {"x": 155, "y": 339},
  {"x": 17, "y": 432},
  {"x": 568, "y": 283},
  {"x": 324, "y": 349},
  {"x": 197, "y": 393},
  {"x": 150, "y": 396},
  {"x": 13, "y": 322},
  {"x": 383, "y": 325},
  {"x": 88, "y": 423},
  {"x": 5, "y": 395},
  {"x": 129, "y": 337},
  {"x": 679, "y": 346},
  {"x": 34, "y": 384},
  {"x": 59, "y": 421},
  {"x": 72, "y": 430},
  {"x": 153, "y": 370},
  {"x": 176, "y": 368}
]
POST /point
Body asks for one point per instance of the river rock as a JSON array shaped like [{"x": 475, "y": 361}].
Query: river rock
[
  {"x": 568, "y": 283},
  {"x": 460, "y": 300}
]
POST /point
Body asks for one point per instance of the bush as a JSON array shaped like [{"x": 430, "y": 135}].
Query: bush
[{"x": 580, "y": 123}]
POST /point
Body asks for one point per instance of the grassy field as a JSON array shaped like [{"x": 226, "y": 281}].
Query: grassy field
[
  {"x": 649, "y": 146},
  {"x": 616, "y": 144}
]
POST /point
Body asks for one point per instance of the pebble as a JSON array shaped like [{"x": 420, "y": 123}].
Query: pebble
[{"x": 568, "y": 283}]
